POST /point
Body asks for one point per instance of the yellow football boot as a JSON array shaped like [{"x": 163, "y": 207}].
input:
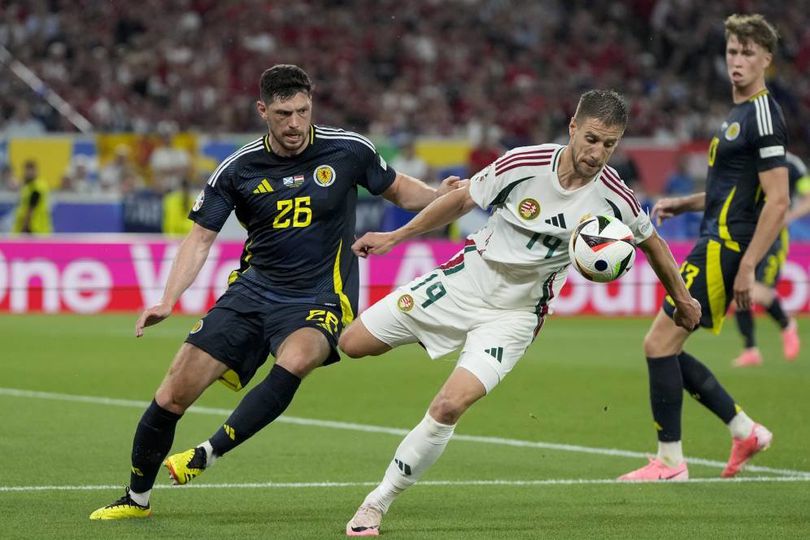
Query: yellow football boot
[
  {"x": 123, "y": 508},
  {"x": 185, "y": 466}
]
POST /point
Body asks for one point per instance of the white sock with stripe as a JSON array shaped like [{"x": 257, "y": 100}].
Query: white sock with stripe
[{"x": 416, "y": 453}]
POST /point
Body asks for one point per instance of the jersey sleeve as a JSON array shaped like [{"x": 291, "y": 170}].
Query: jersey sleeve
[
  {"x": 216, "y": 201},
  {"x": 491, "y": 186},
  {"x": 377, "y": 174},
  {"x": 767, "y": 134}
]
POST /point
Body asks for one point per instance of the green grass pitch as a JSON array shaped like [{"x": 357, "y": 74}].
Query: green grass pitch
[{"x": 536, "y": 459}]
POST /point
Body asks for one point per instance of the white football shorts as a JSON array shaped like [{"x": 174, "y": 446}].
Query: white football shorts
[{"x": 436, "y": 311}]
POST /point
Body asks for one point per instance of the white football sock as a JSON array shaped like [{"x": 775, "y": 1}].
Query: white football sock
[
  {"x": 671, "y": 453},
  {"x": 741, "y": 425},
  {"x": 418, "y": 450},
  {"x": 140, "y": 498},
  {"x": 210, "y": 458}
]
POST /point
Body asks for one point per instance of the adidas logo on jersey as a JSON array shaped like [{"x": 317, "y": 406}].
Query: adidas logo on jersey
[
  {"x": 264, "y": 187},
  {"x": 557, "y": 221}
]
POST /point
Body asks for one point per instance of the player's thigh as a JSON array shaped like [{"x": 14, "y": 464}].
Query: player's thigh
[
  {"x": 303, "y": 336},
  {"x": 397, "y": 319},
  {"x": 191, "y": 372},
  {"x": 357, "y": 341},
  {"x": 494, "y": 347},
  {"x": 302, "y": 351},
  {"x": 233, "y": 333},
  {"x": 708, "y": 273}
]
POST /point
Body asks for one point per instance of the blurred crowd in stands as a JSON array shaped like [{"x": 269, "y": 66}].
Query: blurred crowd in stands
[{"x": 500, "y": 73}]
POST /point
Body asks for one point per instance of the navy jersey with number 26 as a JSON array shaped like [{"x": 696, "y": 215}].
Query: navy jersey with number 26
[{"x": 299, "y": 213}]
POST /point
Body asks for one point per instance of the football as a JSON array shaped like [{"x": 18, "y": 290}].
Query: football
[{"x": 602, "y": 248}]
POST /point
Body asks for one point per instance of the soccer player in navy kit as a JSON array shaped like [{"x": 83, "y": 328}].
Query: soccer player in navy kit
[
  {"x": 744, "y": 206},
  {"x": 295, "y": 191},
  {"x": 768, "y": 269}
]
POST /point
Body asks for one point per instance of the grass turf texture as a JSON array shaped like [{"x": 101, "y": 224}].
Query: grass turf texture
[{"x": 582, "y": 383}]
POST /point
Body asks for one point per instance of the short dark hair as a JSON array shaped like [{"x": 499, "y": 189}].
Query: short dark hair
[
  {"x": 754, "y": 28},
  {"x": 607, "y": 106},
  {"x": 283, "y": 81}
]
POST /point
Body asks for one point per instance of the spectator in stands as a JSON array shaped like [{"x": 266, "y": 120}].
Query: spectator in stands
[
  {"x": 680, "y": 182},
  {"x": 112, "y": 174},
  {"x": 80, "y": 177},
  {"x": 485, "y": 152},
  {"x": 22, "y": 123},
  {"x": 409, "y": 162},
  {"x": 8, "y": 182},
  {"x": 169, "y": 163},
  {"x": 33, "y": 215}
]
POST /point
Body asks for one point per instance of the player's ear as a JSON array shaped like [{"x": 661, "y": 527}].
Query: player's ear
[
  {"x": 572, "y": 127},
  {"x": 262, "y": 108}
]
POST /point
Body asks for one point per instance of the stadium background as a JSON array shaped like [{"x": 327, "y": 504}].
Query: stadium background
[
  {"x": 461, "y": 80},
  {"x": 457, "y": 82}
]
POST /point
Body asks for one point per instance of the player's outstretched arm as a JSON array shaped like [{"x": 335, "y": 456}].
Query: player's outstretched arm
[
  {"x": 687, "y": 309},
  {"x": 672, "y": 206},
  {"x": 413, "y": 194},
  {"x": 446, "y": 209},
  {"x": 187, "y": 264}
]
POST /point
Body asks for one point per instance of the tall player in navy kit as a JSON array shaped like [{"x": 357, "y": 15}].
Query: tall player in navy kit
[
  {"x": 744, "y": 207},
  {"x": 768, "y": 269},
  {"x": 294, "y": 190}
]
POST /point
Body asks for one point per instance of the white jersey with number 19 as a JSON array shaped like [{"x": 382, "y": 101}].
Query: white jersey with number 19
[{"x": 519, "y": 259}]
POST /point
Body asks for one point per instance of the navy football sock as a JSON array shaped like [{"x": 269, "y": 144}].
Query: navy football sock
[
  {"x": 745, "y": 322},
  {"x": 778, "y": 314},
  {"x": 705, "y": 388},
  {"x": 259, "y": 407},
  {"x": 666, "y": 396},
  {"x": 153, "y": 440}
]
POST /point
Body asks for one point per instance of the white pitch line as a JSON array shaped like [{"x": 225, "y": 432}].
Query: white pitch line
[
  {"x": 98, "y": 400},
  {"x": 429, "y": 483}
]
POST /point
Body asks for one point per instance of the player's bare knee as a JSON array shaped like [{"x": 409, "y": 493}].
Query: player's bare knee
[
  {"x": 173, "y": 399},
  {"x": 651, "y": 344},
  {"x": 300, "y": 363},
  {"x": 349, "y": 344},
  {"x": 447, "y": 409}
]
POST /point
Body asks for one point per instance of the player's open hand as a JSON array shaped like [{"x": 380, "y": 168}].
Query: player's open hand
[
  {"x": 374, "y": 243},
  {"x": 449, "y": 184},
  {"x": 687, "y": 314},
  {"x": 152, "y": 316},
  {"x": 743, "y": 285},
  {"x": 664, "y": 209}
]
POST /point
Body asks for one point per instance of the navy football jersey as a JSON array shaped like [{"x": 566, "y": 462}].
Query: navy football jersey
[
  {"x": 752, "y": 139},
  {"x": 299, "y": 213}
]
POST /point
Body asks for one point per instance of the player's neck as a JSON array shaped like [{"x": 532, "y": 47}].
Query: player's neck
[
  {"x": 567, "y": 175},
  {"x": 740, "y": 94}
]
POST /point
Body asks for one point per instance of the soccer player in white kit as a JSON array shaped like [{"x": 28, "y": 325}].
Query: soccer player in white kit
[{"x": 490, "y": 300}]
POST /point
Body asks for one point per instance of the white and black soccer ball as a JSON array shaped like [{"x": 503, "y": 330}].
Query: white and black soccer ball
[{"x": 602, "y": 248}]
